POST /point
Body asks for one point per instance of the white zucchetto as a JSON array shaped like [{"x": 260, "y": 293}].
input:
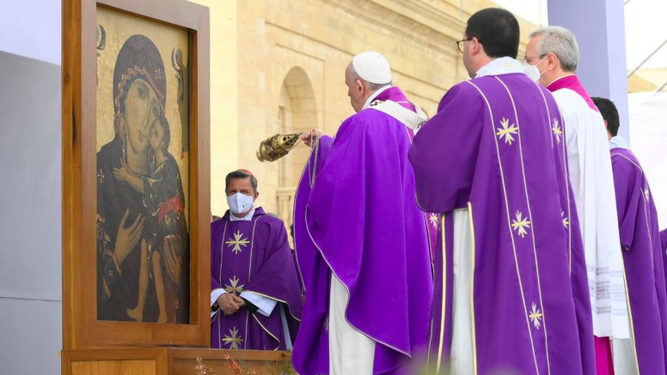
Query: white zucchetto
[{"x": 372, "y": 67}]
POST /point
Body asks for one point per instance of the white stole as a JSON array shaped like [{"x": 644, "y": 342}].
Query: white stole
[{"x": 408, "y": 118}]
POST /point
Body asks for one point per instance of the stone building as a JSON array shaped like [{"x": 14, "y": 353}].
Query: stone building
[{"x": 277, "y": 66}]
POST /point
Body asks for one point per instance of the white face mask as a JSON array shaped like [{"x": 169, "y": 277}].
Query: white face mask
[
  {"x": 532, "y": 71},
  {"x": 239, "y": 203}
]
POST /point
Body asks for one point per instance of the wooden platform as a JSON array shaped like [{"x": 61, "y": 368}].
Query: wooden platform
[{"x": 174, "y": 361}]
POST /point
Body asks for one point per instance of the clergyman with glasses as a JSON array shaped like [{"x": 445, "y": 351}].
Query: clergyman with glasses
[{"x": 511, "y": 292}]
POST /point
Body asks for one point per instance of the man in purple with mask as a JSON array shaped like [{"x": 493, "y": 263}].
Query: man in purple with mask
[
  {"x": 511, "y": 292},
  {"x": 255, "y": 292},
  {"x": 361, "y": 241}
]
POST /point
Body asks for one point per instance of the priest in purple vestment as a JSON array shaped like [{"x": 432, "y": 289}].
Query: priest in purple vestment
[
  {"x": 361, "y": 241},
  {"x": 554, "y": 55},
  {"x": 511, "y": 291},
  {"x": 643, "y": 258},
  {"x": 255, "y": 292}
]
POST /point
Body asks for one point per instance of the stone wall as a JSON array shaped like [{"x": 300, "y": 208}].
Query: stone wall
[{"x": 278, "y": 66}]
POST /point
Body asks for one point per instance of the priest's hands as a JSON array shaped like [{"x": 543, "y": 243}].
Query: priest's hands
[
  {"x": 230, "y": 303},
  {"x": 310, "y": 137}
]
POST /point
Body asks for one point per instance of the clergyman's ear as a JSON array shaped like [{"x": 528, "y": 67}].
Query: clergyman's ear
[{"x": 361, "y": 87}]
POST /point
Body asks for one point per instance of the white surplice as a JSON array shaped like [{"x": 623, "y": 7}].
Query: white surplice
[
  {"x": 593, "y": 188},
  {"x": 350, "y": 351}
]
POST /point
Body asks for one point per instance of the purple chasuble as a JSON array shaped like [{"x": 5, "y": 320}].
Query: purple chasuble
[
  {"x": 643, "y": 261},
  {"x": 254, "y": 256},
  {"x": 496, "y": 148},
  {"x": 355, "y": 215},
  {"x": 395, "y": 95}
]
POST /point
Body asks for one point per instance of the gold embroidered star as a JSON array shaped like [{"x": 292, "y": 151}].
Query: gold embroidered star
[
  {"x": 237, "y": 242},
  {"x": 558, "y": 132},
  {"x": 434, "y": 220},
  {"x": 647, "y": 194},
  {"x": 520, "y": 224},
  {"x": 566, "y": 220},
  {"x": 233, "y": 339},
  {"x": 507, "y": 131},
  {"x": 234, "y": 286},
  {"x": 535, "y": 316}
]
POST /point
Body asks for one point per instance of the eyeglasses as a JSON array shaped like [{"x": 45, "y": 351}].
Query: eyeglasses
[
  {"x": 530, "y": 59},
  {"x": 459, "y": 43}
]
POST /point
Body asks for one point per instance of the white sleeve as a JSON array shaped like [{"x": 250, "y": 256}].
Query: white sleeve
[
  {"x": 264, "y": 305},
  {"x": 286, "y": 331},
  {"x": 215, "y": 294}
]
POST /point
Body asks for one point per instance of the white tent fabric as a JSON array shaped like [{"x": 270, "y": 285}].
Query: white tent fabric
[{"x": 648, "y": 141}]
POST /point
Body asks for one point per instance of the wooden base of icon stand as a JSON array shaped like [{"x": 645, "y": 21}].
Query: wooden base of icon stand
[{"x": 174, "y": 361}]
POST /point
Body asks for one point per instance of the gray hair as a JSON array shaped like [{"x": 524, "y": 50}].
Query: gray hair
[
  {"x": 241, "y": 174},
  {"x": 561, "y": 42},
  {"x": 369, "y": 86}
]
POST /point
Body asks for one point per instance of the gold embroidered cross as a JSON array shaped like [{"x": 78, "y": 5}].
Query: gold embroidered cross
[
  {"x": 233, "y": 339},
  {"x": 558, "y": 132},
  {"x": 434, "y": 220},
  {"x": 234, "y": 286},
  {"x": 507, "y": 131},
  {"x": 520, "y": 224},
  {"x": 566, "y": 221},
  {"x": 238, "y": 241},
  {"x": 535, "y": 316}
]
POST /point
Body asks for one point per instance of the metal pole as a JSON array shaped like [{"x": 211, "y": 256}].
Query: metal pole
[{"x": 646, "y": 59}]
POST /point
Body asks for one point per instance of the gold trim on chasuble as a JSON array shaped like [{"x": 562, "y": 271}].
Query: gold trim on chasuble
[
  {"x": 472, "y": 289},
  {"x": 333, "y": 274},
  {"x": 275, "y": 299},
  {"x": 222, "y": 261},
  {"x": 296, "y": 197},
  {"x": 566, "y": 172},
  {"x": 625, "y": 280},
  {"x": 632, "y": 325},
  {"x": 444, "y": 294},
  {"x": 509, "y": 226},
  {"x": 266, "y": 330},
  {"x": 537, "y": 315}
]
